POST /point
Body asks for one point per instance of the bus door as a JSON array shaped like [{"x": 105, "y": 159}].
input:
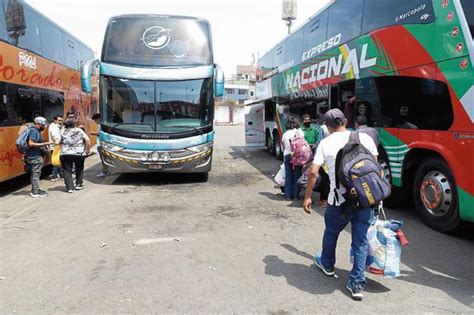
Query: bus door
[{"x": 254, "y": 127}]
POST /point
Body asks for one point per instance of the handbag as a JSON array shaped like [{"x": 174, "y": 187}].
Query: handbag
[{"x": 55, "y": 159}]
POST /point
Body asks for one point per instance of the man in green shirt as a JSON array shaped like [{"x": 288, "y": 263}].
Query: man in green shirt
[{"x": 310, "y": 131}]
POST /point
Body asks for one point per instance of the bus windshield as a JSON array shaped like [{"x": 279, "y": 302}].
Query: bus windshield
[
  {"x": 156, "y": 106},
  {"x": 153, "y": 41},
  {"x": 468, "y": 7}
]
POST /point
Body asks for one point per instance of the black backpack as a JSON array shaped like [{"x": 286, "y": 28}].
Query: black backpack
[{"x": 360, "y": 175}]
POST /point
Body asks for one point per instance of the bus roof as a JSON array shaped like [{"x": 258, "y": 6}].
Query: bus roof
[
  {"x": 330, "y": 3},
  {"x": 58, "y": 26},
  {"x": 165, "y": 16}
]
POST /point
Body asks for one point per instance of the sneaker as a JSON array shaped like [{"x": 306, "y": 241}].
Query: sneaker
[
  {"x": 328, "y": 271},
  {"x": 355, "y": 292},
  {"x": 102, "y": 174},
  {"x": 79, "y": 187},
  {"x": 38, "y": 194},
  {"x": 70, "y": 191}
]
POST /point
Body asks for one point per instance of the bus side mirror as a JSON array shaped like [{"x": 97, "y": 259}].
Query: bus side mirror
[
  {"x": 86, "y": 73},
  {"x": 218, "y": 81}
]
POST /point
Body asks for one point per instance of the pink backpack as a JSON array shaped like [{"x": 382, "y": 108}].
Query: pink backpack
[{"x": 301, "y": 150}]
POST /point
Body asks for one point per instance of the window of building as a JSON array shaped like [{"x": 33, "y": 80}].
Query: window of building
[
  {"x": 229, "y": 91},
  {"x": 242, "y": 92},
  {"x": 51, "y": 41},
  {"x": 345, "y": 18},
  {"x": 251, "y": 93},
  {"x": 383, "y": 13}
]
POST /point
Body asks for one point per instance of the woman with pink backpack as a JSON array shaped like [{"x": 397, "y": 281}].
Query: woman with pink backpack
[{"x": 295, "y": 156}]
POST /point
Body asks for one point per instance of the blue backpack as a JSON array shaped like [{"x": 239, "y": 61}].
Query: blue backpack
[
  {"x": 361, "y": 176},
  {"x": 22, "y": 141}
]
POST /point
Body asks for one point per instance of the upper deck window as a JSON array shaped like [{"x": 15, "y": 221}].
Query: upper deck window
[
  {"x": 157, "y": 41},
  {"x": 468, "y": 7},
  {"x": 383, "y": 13}
]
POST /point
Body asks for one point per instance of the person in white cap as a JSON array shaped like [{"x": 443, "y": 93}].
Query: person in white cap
[{"x": 37, "y": 148}]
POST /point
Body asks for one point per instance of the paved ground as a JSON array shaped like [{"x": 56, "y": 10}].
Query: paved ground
[{"x": 141, "y": 243}]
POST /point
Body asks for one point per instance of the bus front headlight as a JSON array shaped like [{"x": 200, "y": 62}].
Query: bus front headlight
[
  {"x": 200, "y": 148},
  {"x": 155, "y": 156},
  {"x": 111, "y": 147}
]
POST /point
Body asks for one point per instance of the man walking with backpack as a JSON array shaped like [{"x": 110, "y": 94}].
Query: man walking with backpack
[
  {"x": 336, "y": 216},
  {"x": 34, "y": 155}
]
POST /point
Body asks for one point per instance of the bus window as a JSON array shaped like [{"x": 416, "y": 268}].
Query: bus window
[
  {"x": 314, "y": 36},
  {"x": 382, "y": 13},
  {"x": 52, "y": 103},
  {"x": 269, "y": 111},
  {"x": 3, "y": 27},
  {"x": 345, "y": 17},
  {"x": 51, "y": 41},
  {"x": 468, "y": 7},
  {"x": 23, "y": 25},
  {"x": 415, "y": 103}
]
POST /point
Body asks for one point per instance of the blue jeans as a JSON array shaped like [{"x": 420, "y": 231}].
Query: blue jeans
[
  {"x": 360, "y": 220},
  {"x": 57, "y": 170},
  {"x": 292, "y": 188}
]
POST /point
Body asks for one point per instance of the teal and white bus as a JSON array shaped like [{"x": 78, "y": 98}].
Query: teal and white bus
[{"x": 157, "y": 83}]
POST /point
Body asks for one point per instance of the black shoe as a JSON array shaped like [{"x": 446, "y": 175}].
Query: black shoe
[
  {"x": 79, "y": 187},
  {"x": 328, "y": 271},
  {"x": 355, "y": 292},
  {"x": 38, "y": 194}
]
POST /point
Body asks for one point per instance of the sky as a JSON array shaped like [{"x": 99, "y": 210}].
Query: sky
[{"x": 240, "y": 28}]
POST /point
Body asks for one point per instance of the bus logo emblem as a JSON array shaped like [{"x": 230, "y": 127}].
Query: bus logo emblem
[
  {"x": 459, "y": 48},
  {"x": 156, "y": 37},
  {"x": 464, "y": 64},
  {"x": 450, "y": 16},
  {"x": 455, "y": 32},
  {"x": 445, "y": 3}
]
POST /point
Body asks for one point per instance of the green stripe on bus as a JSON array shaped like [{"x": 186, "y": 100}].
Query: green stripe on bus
[{"x": 466, "y": 205}]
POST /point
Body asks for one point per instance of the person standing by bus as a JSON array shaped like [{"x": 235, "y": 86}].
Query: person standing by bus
[
  {"x": 34, "y": 156},
  {"x": 54, "y": 134},
  {"x": 105, "y": 171},
  {"x": 75, "y": 146},
  {"x": 292, "y": 172},
  {"x": 361, "y": 126},
  {"x": 336, "y": 218}
]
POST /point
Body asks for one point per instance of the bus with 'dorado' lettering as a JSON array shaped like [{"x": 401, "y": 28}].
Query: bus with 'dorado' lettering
[
  {"x": 407, "y": 66},
  {"x": 39, "y": 76},
  {"x": 157, "y": 86}
]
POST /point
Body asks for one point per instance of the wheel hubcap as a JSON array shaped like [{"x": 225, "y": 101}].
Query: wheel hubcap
[{"x": 436, "y": 193}]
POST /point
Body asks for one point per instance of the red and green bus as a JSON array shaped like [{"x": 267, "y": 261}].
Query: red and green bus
[
  {"x": 39, "y": 75},
  {"x": 409, "y": 63}
]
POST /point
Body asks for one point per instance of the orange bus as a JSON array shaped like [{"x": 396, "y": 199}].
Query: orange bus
[{"x": 39, "y": 75}]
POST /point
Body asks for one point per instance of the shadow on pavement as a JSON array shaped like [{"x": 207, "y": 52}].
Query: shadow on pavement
[
  {"x": 432, "y": 259},
  {"x": 11, "y": 187}
]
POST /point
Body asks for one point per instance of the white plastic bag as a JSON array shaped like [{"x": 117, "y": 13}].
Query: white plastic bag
[{"x": 280, "y": 176}]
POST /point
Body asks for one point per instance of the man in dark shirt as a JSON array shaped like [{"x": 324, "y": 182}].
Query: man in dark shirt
[
  {"x": 34, "y": 156},
  {"x": 361, "y": 126}
]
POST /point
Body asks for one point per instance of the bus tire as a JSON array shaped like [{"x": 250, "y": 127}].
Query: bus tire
[
  {"x": 398, "y": 195},
  {"x": 278, "y": 150},
  {"x": 436, "y": 196},
  {"x": 269, "y": 142},
  {"x": 202, "y": 177}
]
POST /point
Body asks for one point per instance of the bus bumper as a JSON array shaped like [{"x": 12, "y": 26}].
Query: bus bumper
[{"x": 121, "y": 163}]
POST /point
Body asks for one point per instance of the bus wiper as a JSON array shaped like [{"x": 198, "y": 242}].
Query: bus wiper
[
  {"x": 132, "y": 124},
  {"x": 188, "y": 127}
]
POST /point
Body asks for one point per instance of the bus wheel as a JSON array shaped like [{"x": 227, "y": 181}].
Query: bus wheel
[
  {"x": 398, "y": 194},
  {"x": 436, "y": 198},
  {"x": 277, "y": 147},
  {"x": 269, "y": 143},
  {"x": 202, "y": 177}
]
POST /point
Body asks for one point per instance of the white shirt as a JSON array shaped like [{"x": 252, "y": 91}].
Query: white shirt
[
  {"x": 54, "y": 134},
  {"x": 327, "y": 151},
  {"x": 287, "y": 136}
]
